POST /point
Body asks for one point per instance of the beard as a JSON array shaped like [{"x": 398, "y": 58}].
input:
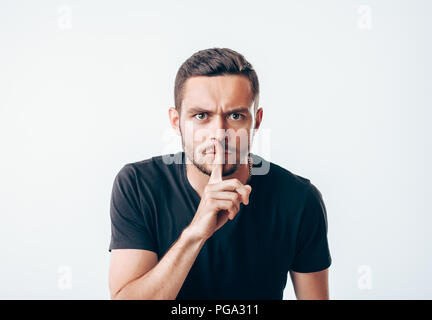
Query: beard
[
  {"x": 227, "y": 169},
  {"x": 197, "y": 158}
]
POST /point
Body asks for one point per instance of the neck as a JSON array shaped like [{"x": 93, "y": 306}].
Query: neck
[{"x": 199, "y": 180}]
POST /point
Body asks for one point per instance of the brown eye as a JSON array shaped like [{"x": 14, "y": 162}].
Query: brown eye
[
  {"x": 236, "y": 116},
  {"x": 201, "y": 116}
]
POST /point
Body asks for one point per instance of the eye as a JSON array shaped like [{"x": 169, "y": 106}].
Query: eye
[
  {"x": 201, "y": 116},
  {"x": 236, "y": 116}
]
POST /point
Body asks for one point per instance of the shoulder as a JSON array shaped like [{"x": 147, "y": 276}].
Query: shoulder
[
  {"x": 286, "y": 176},
  {"x": 280, "y": 178},
  {"x": 151, "y": 170}
]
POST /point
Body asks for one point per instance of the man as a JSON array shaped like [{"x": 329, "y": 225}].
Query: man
[{"x": 200, "y": 224}]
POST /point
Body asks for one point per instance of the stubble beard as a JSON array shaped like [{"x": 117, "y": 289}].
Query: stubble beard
[{"x": 206, "y": 168}]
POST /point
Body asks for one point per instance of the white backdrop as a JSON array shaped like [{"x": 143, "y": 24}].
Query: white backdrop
[{"x": 85, "y": 87}]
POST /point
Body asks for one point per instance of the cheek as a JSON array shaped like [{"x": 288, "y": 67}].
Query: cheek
[
  {"x": 194, "y": 143},
  {"x": 241, "y": 140},
  {"x": 192, "y": 134},
  {"x": 201, "y": 136}
]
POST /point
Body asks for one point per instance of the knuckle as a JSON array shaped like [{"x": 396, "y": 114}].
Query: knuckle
[
  {"x": 237, "y": 182},
  {"x": 233, "y": 207}
]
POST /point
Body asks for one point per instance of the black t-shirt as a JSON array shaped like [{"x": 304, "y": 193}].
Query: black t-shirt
[{"x": 283, "y": 228}]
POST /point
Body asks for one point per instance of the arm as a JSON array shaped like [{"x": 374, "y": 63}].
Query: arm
[
  {"x": 310, "y": 286},
  {"x": 136, "y": 274},
  {"x": 309, "y": 268}
]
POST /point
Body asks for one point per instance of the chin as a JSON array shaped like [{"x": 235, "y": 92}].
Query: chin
[{"x": 229, "y": 169}]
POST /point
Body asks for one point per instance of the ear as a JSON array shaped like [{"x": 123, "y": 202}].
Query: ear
[
  {"x": 258, "y": 118},
  {"x": 174, "y": 119}
]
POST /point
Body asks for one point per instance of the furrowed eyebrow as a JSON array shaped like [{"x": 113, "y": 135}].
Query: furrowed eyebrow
[
  {"x": 202, "y": 110},
  {"x": 238, "y": 110},
  {"x": 198, "y": 110}
]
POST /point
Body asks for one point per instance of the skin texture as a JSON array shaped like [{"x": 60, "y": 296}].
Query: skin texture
[
  {"x": 311, "y": 286},
  {"x": 209, "y": 113},
  {"x": 217, "y": 116}
]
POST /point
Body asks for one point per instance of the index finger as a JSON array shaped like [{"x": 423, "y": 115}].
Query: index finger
[{"x": 216, "y": 175}]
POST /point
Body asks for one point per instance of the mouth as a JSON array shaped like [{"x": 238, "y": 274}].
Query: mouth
[{"x": 212, "y": 151}]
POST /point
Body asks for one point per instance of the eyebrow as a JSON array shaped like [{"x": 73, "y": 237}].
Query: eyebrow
[{"x": 233, "y": 110}]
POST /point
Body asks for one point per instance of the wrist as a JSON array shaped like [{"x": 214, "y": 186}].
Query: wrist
[{"x": 191, "y": 235}]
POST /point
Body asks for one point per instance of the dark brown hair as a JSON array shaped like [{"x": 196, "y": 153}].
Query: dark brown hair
[{"x": 214, "y": 62}]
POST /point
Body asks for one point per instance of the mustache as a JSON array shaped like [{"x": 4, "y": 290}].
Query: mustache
[{"x": 211, "y": 148}]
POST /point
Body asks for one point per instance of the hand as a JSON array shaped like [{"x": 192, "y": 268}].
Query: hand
[{"x": 220, "y": 200}]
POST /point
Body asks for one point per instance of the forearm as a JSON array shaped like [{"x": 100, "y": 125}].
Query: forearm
[
  {"x": 311, "y": 286},
  {"x": 166, "y": 278}
]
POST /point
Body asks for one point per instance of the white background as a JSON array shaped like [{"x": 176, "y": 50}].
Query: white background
[{"x": 85, "y": 87}]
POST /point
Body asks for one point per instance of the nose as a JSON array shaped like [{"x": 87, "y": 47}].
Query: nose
[{"x": 218, "y": 130}]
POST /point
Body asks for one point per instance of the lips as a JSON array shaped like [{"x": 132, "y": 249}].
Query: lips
[
  {"x": 226, "y": 153},
  {"x": 212, "y": 152}
]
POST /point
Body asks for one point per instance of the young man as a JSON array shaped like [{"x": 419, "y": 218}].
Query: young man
[{"x": 215, "y": 221}]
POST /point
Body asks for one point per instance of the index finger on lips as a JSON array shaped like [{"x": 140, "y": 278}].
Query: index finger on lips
[{"x": 216, "y": 175}]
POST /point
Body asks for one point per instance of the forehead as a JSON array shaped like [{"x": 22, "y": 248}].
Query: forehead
[{"x": 217, "y": 91}]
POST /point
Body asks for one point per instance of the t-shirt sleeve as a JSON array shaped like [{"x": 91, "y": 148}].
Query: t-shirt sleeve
[
  {"x": 312, "y": 249},
  {"x": 131, "y": 222}
]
